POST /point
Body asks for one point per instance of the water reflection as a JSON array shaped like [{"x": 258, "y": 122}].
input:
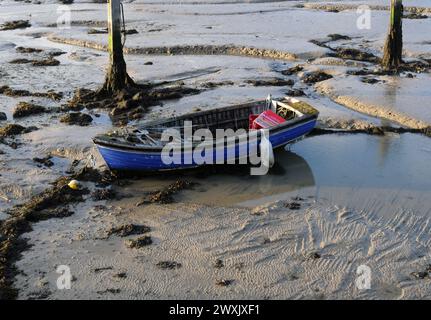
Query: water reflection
[{"x": 236, "y": 186}]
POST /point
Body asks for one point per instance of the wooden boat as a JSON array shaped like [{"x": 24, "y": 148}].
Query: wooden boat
[{"x": 140, "y": 149}]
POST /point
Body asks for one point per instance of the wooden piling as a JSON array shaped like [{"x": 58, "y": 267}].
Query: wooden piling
[
  {"x": 117, "y": 77},
  {"x": 392, "y": 55}
]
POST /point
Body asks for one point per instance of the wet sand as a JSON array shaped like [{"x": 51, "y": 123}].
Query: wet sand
[{"x": 332, "y": 203}]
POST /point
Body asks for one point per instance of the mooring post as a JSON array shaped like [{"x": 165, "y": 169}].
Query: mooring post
[
  {"x": 117, "y": 77},
  {"x": 392, "y": 56},
  {"x": 114, "y": 27}
]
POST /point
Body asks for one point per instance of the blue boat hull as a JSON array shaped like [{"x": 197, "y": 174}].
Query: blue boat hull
[{"x": 136, "y": 160}]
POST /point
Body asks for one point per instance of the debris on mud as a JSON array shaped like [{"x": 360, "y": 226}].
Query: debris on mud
[
  {"x": 224, "y": 282},
  {"x": 336, "y": 37},
  {"x": 8, "y": 91},
  {"x": 420, "y": 275},
  {"x": 295, "y": 93},
  {"x": 20, "y": 61},
  {"x": 165, "y": 195},
  {"x": 100, "y": 178},
  {"x": 275, "y": 82},
  {"x": 128, "y": 230},
  {"x": 121, "y": 275},
  {"x": 169, "y": 265},
  {"x": 103, "y": 194},
  {"x": 355, "y": 54},
  {"x": 50, "y": 62},
  {"x": 212, "y": 85},
  {"x": 110, "y": 290},
  {"x": 77, "y": 118},
  {"x": 124, "y": 104},
  {"x": 139, "y": 242},
  {"x": 219, "y": 264},
  {"x": 98, "y": 270},
  {"x": 16, "y": 24},
  {"x": 27, "y": 50},
  {"x": 292, "y": 70},
  {"x": 373, "y": 131},
  {"x": 414, "y": 15},
  {"x": 293, "y": 205},
  {"x": 369, "y": 80},
  {"x": 11, "y": 130},
  {"x": 25, "y": 109},
  {"x": 316, "y": 76},
  {"x": 46, "y": 161},
  {"x": 314, "y": 256},
  {"x": 105, "y": 31}
]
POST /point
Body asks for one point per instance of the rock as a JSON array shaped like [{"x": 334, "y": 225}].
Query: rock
[
  {"x": 77, "y": 118},
  {"x": 169, "y": 265},
  {"x": 148, "y": 63},
  {"x": 16, "y": 24},
  {"x": 128, "y": 230},
  {"x": 25, "y": 109},
  {"x": 3, "y": 116},
  {"x": 139, "y": 242}
]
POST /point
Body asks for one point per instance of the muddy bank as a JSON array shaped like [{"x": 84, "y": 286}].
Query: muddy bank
[
  {"x": 186, "y": 50},
  {"x": 373, "y": 108}
]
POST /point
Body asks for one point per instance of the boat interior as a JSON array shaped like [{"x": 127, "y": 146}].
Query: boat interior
[{"x": 233, "y": 117}]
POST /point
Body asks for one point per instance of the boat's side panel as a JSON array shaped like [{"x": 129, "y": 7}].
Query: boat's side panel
[{"x": 120, "y": 159}]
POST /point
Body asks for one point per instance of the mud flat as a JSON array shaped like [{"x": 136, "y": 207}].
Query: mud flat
[
  {"x": 268, "y": 246},
  {"x": 334, "y": 202}
]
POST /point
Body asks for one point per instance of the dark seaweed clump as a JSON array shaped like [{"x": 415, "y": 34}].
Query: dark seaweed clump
[{"x": 25, "y": 109}]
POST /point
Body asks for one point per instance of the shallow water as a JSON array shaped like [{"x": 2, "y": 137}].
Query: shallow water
[{"x": 376, "y": 173}]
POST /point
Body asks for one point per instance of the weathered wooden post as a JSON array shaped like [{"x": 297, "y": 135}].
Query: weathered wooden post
[
  {"x": 117, "y": 77},
  {"x": 392, "y": 55}
]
